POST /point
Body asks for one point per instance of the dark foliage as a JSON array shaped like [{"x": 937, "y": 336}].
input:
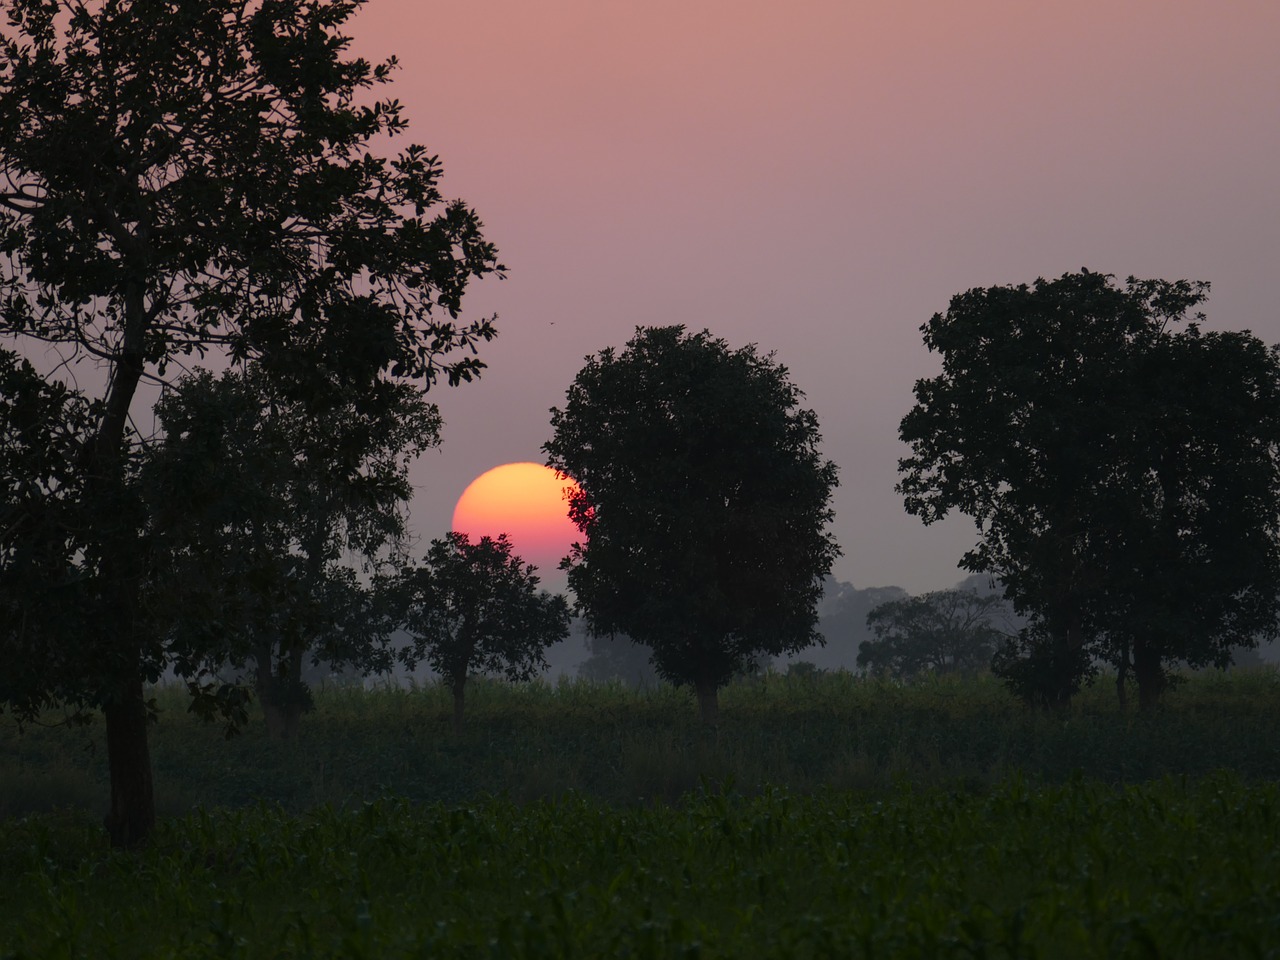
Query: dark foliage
[
  {"x": 946, "y": 631},
  {"x": 475, "y": 608},
  {"x": 43, "y": 593},
  {"x": 703, "y": 501},
  {"x": 1124, "y": 476},
  {"x": 258, "y": 506},
  {"x": 177, "y": 178}
]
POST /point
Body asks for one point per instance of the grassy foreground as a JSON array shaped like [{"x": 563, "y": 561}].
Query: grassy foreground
[
  {"x": 806, "y": 734},
  {"x": 827, "y": 816},
  {"x": 1170, "y": 869}
]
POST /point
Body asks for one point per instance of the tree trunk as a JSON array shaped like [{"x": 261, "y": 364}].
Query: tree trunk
[
  {"x": 133, "y": 808},
  {"x": 1122, "y": 675},
  {"x": 284, "y": 698},
  {"x": 1065, "y": 638},
  {"x": 282, "y": 703},
  {"x": 708, "y": 702},
  {"x": 282, "y": 719},
  {"x": 459, "y": 697},
  {"x": 1148, "y": 674},
  {"x": 264, "y": 679}
]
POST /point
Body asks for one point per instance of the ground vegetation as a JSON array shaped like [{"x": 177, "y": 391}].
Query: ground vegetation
[{"x": 1075, "y": 870}]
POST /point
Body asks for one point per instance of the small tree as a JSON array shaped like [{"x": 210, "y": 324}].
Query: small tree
[
  {"x": 476, "y": 608},
  {"x": 257, "y": 505},
  {"x": 703, "y": 501},
  {"x": 1124, "y": 477},
  {"x": 842, "y": 621},
  {"x": 946, "y": 631}
]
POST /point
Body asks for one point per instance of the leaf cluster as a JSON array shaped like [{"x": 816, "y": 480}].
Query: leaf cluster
[
  {"x": 179, "y": 177},
  {"x": 43, "y": 592}
]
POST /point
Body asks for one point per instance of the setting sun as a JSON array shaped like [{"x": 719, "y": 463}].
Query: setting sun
[{"x": 528, "y": 502}]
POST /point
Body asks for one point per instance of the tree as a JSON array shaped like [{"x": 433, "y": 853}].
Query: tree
[
  {"x": 842, "y": 621},
  {"x": 179, "y": 178},
  {"x": 615, "y": 657},
  {"x": 257, "y": 505},
  {"x": 476, "y": 608},
  {"x": 945, "y": 631},
  {"x": 703, "y": 500},
  {"x": 1124, "y": 476}
]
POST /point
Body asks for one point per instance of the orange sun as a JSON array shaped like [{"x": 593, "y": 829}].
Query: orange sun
[{"x": 530, "y": 504}]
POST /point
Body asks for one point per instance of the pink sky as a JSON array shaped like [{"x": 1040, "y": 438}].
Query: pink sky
[{"x": 819, "y": 178}]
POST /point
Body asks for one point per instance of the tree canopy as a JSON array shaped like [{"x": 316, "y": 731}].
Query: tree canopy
[
  {"x": 703, "y": 502},
  {"x": 180, "y": 178},
  {"x": 257, "y": 510},
  {"x": 944, "y": 631},
  {"x": 1124, "y": 474},
  {"x": 476, "y": 608}
]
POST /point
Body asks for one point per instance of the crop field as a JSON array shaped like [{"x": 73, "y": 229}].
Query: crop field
[
  {"x": 536, "y": 741},
  {"x": 1171, "y": 869},
  {"x": 827, "y": 816}
]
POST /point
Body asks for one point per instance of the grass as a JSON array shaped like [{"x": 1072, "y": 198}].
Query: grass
[
  {"x": 541, "y": 741},
  {"x": 1175, "y": 868},
  {"x": 826, "y": 816}
]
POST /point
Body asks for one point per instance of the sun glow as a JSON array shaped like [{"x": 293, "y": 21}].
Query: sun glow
[{"x": 527, "y": 501}]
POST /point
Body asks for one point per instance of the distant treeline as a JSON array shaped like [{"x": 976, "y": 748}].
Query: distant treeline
[{"x": 842, "y": 622}]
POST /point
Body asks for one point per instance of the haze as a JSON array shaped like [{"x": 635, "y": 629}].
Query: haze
[{"x": 820, "y": 178}]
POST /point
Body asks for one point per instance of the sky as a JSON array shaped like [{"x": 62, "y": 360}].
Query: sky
[{"x": 819, "y": 178}]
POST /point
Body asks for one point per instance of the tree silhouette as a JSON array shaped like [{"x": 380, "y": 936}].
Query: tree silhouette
[
  {"x": 944, "y": 631},
  {"x": 1124, "y": 477},
  {"x": 177, "y": 178},
  {"x": 476, "y": 608},
  {"x": 258, "y": 505},
  {"x": 703, "y": 502}
]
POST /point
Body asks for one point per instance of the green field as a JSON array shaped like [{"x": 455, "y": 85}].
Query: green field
[{"x": 827, "y": 816}]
